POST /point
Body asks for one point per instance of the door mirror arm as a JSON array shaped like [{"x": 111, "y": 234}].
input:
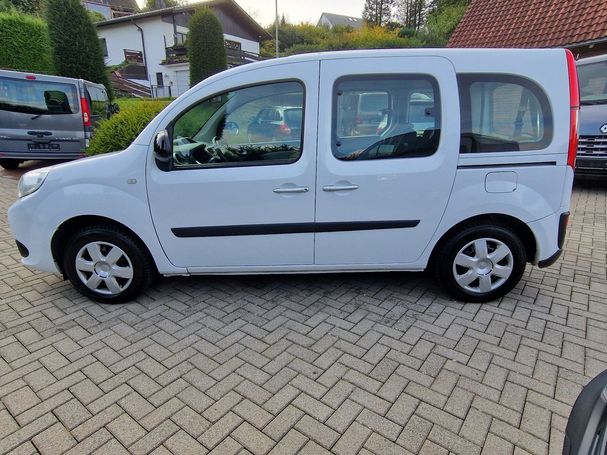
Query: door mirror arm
[{"x": 163, "y": 151}]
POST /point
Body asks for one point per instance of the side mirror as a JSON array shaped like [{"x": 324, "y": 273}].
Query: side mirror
[
  {"x": 586, "y": 432},
  {"x": 163, "y": 149}
]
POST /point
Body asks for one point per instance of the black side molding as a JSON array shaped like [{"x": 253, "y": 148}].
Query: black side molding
[
  {"x": 290, "y": 228},
  {"x": 500, "y": 165}
]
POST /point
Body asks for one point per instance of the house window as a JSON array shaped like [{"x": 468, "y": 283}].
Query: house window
[
  {"x": 103, "y": 43},
  {"x": 159, "y": 80},
  {"x": 180, "y": 38}
]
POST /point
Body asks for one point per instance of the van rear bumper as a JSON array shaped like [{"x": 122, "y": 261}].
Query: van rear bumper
[
  {"x": 42, "y": 155},
  {"x": 551, "y": 260},
  {"x": 549, "y": 233}
]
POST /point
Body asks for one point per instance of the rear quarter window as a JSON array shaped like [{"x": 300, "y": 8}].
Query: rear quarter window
[{"x": 503, "y": 113}]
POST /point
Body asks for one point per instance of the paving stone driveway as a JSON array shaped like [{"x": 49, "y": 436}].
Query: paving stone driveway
[{"x": 375, "y": 363}]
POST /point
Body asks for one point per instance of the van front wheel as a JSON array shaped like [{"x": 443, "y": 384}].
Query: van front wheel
[
  {"x": 10, "y": 164},
  {"x": 107, "y": 265},
  {"x": 480, "y": 263}
]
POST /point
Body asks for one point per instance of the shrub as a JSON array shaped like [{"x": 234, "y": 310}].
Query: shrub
[
  {"x": 76, "y": 48},
  {"x": 120, "y": 130},
  {"x": 25, "y": 44},
  {"x": 206, "y": 48}
]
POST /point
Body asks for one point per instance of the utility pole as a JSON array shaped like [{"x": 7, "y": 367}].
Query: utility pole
[{"x": 276, "y": 24}]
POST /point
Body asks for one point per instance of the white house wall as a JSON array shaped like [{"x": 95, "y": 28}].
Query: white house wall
[
  {"x": 125, "y": 35},
  {"x": 247, "y": 45}
]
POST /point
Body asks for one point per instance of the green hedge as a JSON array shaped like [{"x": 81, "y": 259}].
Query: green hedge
[
  {"x": 25, "y": 44},
  {"x": 121, "y": 129}
]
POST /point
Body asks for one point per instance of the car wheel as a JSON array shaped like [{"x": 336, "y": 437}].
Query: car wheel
[
  {"x": 480, "y": 263},
  {"x": 107, "y": 264},
  {"x": 10, "y": 164}
]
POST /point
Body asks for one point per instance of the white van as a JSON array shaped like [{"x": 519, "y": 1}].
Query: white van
[{"x": 473, "y": 183}]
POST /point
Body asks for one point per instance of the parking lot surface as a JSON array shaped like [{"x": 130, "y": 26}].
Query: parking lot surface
[{"x": 344, "y": 364}]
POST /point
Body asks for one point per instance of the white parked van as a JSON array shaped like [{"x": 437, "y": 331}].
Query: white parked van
[{"x": 466, "y": 170}]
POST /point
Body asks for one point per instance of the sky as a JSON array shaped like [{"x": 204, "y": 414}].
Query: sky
[{"x": 296, "y": 10}]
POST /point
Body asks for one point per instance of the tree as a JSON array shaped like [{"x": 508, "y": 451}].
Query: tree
[
  {"x": 411, "y": 13},
  {"x": 25, "y": 6},
  {"x": 76, "y": 48},
  {"x": 96, "y": 16},
  {"x": 206, "y": 48},
  {"x": 159, "y": 4},
  {"x": 377, "y": 12},
  {"x": 443, "y": 19}
]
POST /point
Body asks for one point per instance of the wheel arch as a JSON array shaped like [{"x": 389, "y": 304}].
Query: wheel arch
[
  {"x": 69, "y": 227},
  {"x": 520, "y": 228}
]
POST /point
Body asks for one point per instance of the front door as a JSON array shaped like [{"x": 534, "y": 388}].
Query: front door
[
  {"x": 241, "y": 196},
  {"x": 388, "y": 140}
]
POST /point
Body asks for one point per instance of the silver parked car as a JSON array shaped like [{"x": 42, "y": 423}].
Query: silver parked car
[{"x": 47, "y": 117}]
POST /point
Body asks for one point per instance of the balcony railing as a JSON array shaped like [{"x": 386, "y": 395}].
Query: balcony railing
[{"x": 235, "y": 57}]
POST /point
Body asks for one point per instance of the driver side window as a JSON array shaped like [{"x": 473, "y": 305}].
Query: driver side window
[{"x": 255, "y": 125}]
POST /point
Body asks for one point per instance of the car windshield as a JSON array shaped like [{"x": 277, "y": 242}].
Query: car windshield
[
  {"x": 593, "y": 82},
  {"x": 37, "y": 97}
]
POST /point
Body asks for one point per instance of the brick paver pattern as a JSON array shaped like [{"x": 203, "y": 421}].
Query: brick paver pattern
[{"x": 344, "y": 364}]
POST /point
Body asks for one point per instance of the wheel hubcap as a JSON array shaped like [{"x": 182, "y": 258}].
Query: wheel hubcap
[
  {"x": 104, "y": 268},
  {"x": 483, "y": 265}
]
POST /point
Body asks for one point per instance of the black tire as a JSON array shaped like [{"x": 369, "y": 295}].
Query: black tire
[
  {"x": 10, "y": 164},
  {"x": 445, "y": 269},
  {"x": 135, "y": 258}
]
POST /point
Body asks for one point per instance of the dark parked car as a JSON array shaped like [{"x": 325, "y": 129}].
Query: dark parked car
[
  {"x": 586, "y": 432},
  {"x": 276, "y": 123},
  {"x": 592, "y": 149},
  {"x": 47, "y": 117}
]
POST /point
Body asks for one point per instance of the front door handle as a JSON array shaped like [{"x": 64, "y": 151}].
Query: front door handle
[
  {"x": 331, "y": 188},
  {"x": 292, "y": 189}
]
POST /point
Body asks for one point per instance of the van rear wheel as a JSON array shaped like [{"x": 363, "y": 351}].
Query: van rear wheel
[
  {"x": 10, "y": 164},
  {"x": 480, "y": 263},
  {"x": 107, "y": 264}
]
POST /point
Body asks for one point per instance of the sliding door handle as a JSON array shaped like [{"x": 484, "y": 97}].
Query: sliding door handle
[
  {"x": 292, "y": 189},
  {"x": 331, "y": 188}
]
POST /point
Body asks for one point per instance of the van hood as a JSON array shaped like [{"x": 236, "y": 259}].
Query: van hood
[{"x": 592, "y": 118}]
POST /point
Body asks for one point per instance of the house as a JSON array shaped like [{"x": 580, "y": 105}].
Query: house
[
  {"x": 331, "y": 20},
  {"x": 111, "y": 8},
  {"x": 150, "y": 46},
  {"x": 580, "y": 25}
]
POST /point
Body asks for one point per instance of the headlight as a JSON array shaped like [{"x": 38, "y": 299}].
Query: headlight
[{"x": 31, "y": 181}]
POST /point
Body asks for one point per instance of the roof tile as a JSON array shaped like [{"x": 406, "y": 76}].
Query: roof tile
[{"x": 530, "y": 23}]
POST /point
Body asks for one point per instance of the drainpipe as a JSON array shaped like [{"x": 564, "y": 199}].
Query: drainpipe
[{"x": 145, "y": 59}]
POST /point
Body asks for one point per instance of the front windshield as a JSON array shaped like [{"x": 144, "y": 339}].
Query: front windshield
[
  {"x": 37, "y": 97},
  {"x": 593, "y": 83}
]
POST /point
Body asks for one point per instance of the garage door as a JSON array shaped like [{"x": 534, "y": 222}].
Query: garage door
[{"x": 183, "y": 81}]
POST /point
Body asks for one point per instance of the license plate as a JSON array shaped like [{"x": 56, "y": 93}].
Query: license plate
[{"x": 43, "y": 147}]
